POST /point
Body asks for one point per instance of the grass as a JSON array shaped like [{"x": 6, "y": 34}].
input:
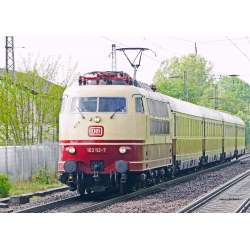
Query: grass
[
  {"x": 30, "y": 186},
  {"x": 41, "y": 181}
]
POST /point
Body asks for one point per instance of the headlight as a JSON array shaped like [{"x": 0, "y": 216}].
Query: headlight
[
  {"x": 122, "y": 150},
  {"x": 72, "y": 150},
  {"x": 97, "y": 119}
]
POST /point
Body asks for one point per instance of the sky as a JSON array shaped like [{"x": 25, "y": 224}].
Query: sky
[{"x": 229, "y": 54}]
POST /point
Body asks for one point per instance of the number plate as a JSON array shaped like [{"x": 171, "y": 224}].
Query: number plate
[{"x": 97, "y": 150}]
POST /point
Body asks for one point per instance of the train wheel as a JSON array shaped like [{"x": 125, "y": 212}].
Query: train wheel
[
  {"x": 88, "y": 190},
  {"x": 80, "y": 190},
  {"x": 123, "y": 188}
]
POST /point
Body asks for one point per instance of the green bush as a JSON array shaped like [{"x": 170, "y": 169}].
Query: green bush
[
  {"x": 5, "y": 186},
  {"x": 42, "y": 176}
]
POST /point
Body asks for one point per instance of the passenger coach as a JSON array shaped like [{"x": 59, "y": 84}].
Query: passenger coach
[{"x": 113, "y": 132}]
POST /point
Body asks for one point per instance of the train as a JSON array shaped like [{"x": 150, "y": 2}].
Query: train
[{"x": 116, "y": 132}]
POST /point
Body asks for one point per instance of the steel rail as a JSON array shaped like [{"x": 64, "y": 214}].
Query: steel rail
[
  {"x": 53, "y": 205},
  {"x": 152, "y": 189},
  {"x": 191, "y": 207},
  {"x": 49, "y": 206},
  {"x": 243, "y": 207}
]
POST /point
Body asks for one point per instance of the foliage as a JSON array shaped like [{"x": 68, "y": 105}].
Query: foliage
[
  {"x": 42, "y": 176},
  {"x": 30, "y": 102},
  {"x": 5, "y": 186},
  {"x": 233, "y": 93},
  {"x": 197, "y": 69},
  {"x": 34, "y": 184}
]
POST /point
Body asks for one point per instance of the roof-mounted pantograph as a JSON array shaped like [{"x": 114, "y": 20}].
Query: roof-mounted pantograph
[{"x": 135, "y": 66}]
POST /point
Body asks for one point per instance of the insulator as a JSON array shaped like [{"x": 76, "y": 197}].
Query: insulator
[{"x": 80, "y": 80}]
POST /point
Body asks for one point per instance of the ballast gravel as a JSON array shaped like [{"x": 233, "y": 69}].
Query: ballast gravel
[
  {"x": 172, "y": 198},
  {"x": 165, "y": 200},
  {"x": 41, "y": 201}
]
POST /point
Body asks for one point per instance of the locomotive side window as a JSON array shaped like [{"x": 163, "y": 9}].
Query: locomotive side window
[
  {"x": 165, "y": 110},
  {"x": 139, "y": 105},
  {"x": 62, "y": 106},
  {"x": 157, "y": 108},
  {"x": 150, "y": 106},
  {"x": 112, "y": 104},
  {"x": 159, "y": 127}
]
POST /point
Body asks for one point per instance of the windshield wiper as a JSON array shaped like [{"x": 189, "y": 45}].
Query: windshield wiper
[
  {"x": 80, "y": 112},
  {"x": 116, "y": 111}
]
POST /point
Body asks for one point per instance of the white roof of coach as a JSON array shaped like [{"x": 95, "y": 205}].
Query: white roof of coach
[{"x": 195, "y": 110}]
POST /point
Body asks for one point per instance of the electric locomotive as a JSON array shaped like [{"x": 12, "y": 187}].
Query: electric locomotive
[{"x": 117, "y": 132}]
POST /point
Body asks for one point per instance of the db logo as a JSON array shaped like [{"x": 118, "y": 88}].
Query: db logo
[{"x": 96, "y": 131}]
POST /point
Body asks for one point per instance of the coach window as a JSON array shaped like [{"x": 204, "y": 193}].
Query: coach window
[{"x": 139, "y": 105}]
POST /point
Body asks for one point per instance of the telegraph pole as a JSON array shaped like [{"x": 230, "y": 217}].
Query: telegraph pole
[
  {"x": 185, "y": 86},
  {"x": 233, "y": 81},
  {"x": 10, "y": 62},
  {"x": 216, "y": 101},
  {"x": 114, "y": 67}
]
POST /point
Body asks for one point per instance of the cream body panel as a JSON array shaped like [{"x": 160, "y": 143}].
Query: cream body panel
[{"x": 123, "y": 126}]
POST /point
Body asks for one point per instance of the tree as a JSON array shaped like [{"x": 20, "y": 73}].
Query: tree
[
  {"x": 197, "y": 69},
  {"x": 31, "y": 102}
]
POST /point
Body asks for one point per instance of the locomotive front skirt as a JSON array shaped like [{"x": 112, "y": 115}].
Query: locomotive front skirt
[{"x": 130, "y": 136}]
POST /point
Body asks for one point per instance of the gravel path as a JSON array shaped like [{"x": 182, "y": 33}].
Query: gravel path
[{"x": 171, "y": 199}]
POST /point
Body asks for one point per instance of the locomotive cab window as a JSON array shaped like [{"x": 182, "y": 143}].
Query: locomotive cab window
[
  {"x": 139, "y": 105},
  {"x": 112, "y": 104},
  {"x": 98, "y": 104},
  {"x": 84, "y": 104}
]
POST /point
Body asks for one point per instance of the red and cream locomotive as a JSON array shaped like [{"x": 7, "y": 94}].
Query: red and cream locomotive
[{"x": 115, "y": 131}]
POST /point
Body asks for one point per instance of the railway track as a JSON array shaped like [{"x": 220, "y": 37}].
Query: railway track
[
  {"x": 69, "y": 202},
  {"x": 231, "y": 197},
  {"x": 96, "y": 201}
]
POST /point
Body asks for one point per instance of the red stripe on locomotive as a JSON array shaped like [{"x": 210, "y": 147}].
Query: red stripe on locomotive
[{"x": 108, "y": 153}]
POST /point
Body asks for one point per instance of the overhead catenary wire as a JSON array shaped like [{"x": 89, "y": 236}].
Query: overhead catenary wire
[
  {"x": 128, "y": 47},
  {"x": 204, "y": 41},
  {"x": 160, "y": 46},
  {"x": 238, "y": 48},
  {"x": 185, "y": 41},
  {"x": 247, "y": 39}
]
